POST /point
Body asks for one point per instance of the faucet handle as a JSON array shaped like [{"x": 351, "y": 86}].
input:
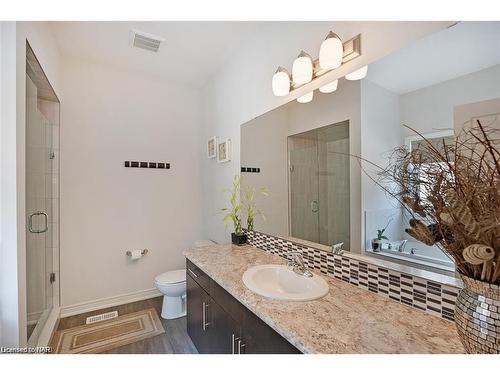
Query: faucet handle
[{"x": 296, "y": 259}]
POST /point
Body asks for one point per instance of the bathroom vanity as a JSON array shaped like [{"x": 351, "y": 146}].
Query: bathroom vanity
[
  {"x": 219, "y": 324},
  {"x": 224, "y": 316}
]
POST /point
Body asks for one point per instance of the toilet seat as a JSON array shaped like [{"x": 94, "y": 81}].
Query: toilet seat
[{"x": 171, "y": 277}]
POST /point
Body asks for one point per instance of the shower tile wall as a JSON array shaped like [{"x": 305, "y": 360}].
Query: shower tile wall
[
  {"x": 334, "y": 192},
  {"x": 35, "y": 201},
  {"x": 50, "y": 113},
  {"x": 42, "y": 194},
  {"x": 304, "y": 222}
]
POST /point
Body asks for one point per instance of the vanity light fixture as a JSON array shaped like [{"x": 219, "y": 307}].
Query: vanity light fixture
[
  {"x": 331, "y": 52},
  {"x": 302, "y": 69},
  {"x": 357, "y": 74},
  {"x": 305, "y": 98},
  {"x": 281, "y": 82},
  {"x": 329, "y": 87}
]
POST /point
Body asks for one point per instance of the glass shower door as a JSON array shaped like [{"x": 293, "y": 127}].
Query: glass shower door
[
  {"x": 39, "y": 201},
  {"x": 304, "y": 189},
  {"x": 319, "y": 178}
]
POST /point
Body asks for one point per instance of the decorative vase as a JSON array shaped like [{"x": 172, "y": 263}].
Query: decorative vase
[
  {"x": 477, "y": 316},
  {"x": 376, "y": 245},
  {"x": 239, "y": 239}
]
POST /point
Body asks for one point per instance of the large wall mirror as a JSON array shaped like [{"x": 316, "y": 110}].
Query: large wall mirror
[{"x": 320, "y": 194}]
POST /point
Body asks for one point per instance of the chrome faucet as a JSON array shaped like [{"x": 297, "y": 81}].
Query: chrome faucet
[
  {"x": 401, "y": 247},
  {"x": 298, "y": 265},
  {"x": 337, "y": 248}
]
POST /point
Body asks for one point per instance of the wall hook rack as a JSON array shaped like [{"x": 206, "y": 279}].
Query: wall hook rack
[{"x": 146, "y": 164}]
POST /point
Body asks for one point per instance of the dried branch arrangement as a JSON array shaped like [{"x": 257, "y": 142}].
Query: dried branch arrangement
[{"x": 452, "y": 192}]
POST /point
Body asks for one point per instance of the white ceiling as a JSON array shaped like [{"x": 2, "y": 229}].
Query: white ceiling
[
  {"x": 462, "y": 49},
  {"x": 192, "y": 51}
]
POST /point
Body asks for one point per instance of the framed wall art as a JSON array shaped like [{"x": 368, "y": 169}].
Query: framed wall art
[
  {"x": 224, "y": 151},
  {"x": 212, "y": 148}
]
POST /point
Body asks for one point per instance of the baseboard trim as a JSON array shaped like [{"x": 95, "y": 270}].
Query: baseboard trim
[{"x": 103, "y": 303}]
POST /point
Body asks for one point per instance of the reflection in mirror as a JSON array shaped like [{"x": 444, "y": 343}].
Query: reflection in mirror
[
  {"x": 424, "y": 87},
  {"x": 319, "y": 194},
  {"x": 319, "y": 184},
  {"x": 300, "y": 151}
]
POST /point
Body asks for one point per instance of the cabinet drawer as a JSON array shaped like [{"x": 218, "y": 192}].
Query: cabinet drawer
[{"x": 198, "y": 275}]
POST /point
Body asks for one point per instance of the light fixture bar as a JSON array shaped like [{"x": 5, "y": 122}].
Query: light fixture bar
[{"x": 352, "y": 49}]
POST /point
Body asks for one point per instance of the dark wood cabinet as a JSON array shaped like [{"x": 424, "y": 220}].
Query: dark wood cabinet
[
  {"x": 262, "y": 339},
  {"x": 226, "y": 332},
  {"x": 219, "y": 324},
  {"x": 197, "y": 308}
]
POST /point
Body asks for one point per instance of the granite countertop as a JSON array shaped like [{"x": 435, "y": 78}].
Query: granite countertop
[{"x": 347, "y": 320}]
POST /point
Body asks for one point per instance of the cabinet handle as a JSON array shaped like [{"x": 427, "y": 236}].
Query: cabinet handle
[
  {"x": 233, "y": 344},
  {"x": 205, "y": 324},
  {"x": 192, "y": 273},
  {"x": 241, "y": 344}
]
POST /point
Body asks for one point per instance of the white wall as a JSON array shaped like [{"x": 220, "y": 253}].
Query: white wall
[
  {"x": 242, "y": 89},
  {"x": 440, "y": 99},
  {"x": 9, "y": 292},
  {"x": 265, "y": 147},
  {"x": 110, "y": 116},
  {"x": 1, "y": 169},
  {"x": 13, "y": 265},
  {"x": 380, "y": 134}
]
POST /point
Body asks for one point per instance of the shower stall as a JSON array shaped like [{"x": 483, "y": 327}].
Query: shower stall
[
  {"x": 319, "y": 197},
  {"x": 42, "y": 199}
]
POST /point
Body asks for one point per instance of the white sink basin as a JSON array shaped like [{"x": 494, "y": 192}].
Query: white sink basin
[{"x": 280, "y": 282}]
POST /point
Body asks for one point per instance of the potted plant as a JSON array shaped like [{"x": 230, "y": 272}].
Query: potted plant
[
  {"x": 452, "y": 192},
  {"x": 377, "y": 242},
  {"x": 247, "y": 197},
  {"x": 233, "y": 214}
]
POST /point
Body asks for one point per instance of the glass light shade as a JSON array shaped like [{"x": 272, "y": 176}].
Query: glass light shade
[
  {"x": 331, "y": 52},
  {"x": 357, "y": 74},
  {"x": 329, "y": 87},
  {"x": 306, "y": 98},
  {"x": 302, "y": 69},
  {"x": 281, "y": 82}
]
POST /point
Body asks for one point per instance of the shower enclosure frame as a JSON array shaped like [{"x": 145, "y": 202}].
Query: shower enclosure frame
[
  {"x": 342, "y": 126},
  {"x": 45, "y": 94}
]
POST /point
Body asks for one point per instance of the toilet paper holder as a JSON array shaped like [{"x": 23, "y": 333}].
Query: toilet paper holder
[{"x": 143, "y": 252}]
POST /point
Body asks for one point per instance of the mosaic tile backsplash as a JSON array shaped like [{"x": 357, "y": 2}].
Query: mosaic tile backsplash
[{"x": 428, "y": 296}]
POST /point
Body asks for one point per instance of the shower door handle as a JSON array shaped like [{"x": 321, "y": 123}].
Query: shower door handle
[
  {"x": 30, "y": 222},
  {"x": 314, "y": 206}
]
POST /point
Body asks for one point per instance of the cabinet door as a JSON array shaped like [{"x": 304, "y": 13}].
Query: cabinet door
[
  {"x": 259, "y": 338},
  {"x": 225, "y": 331},
  {"x": 198, "y": 315}
]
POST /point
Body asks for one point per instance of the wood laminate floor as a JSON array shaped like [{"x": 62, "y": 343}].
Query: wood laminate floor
[{"x": 175, "y": 340}]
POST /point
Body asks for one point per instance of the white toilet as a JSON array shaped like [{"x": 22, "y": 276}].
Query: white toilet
[{"x": 173, "y": 286}]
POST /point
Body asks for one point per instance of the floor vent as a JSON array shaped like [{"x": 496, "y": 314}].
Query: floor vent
[{"x": 101, "y": 317}]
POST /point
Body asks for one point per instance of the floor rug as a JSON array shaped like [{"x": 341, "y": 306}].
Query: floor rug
[{"x": 109, "y": 334}]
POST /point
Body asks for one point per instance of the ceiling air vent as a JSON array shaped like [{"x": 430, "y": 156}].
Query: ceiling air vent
[{"x": 141, "y": 39}]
